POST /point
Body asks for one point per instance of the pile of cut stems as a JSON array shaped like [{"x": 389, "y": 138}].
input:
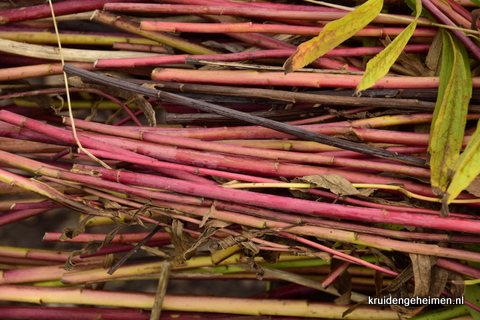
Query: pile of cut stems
[{"x": 179, "y": 150}]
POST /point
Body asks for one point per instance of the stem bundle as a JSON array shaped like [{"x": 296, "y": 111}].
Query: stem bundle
[{"x": 249, "y": 173}]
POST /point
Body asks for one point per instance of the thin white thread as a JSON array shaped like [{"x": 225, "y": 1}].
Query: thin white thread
[{"x": 69, "y": 104}]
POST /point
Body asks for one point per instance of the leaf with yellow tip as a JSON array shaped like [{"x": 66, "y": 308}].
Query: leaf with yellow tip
[
  {"x": 333, "y": 34},
  {"x": 466, "y": 168},
  {"x": 379, "y": 66},
  {"x": 450, "y": 112},
  {"x": 448, "y": 124}
]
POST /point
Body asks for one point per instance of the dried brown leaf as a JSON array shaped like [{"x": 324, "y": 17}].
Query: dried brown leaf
[
  {"x": 422, "y": 266},
  {"x": 181, "y": 241},
  {"x": 457, "y": 285},
  {"x": 474, "y": 187},
  {"x": 350, "y": 134},
  {"x": 439, "y": 281},
  {"x": 210, "y": 228},
  {"x": 209, "y": 213},
  {"x": 91, "y": 247},
  {"x": 343, "y": 284},
  {"x": 70, "y": 233},
  {"x": 412, "y": 64},
  {"x": 334, "y": 182},
  {"x": 433, "y": 58}
]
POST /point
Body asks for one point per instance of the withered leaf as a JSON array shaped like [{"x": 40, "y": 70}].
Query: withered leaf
[
  {"x": 334, "y": 182},
  {"x": 457, "y": 286},
  {"x": 70, "y": 233},
  {"x": 90, "y": 247},
  {"x": 210, "y": 228},
  {"x": 181, "y": 241},
  {"x": 474, "y": 187},
  {"x": 422, "y": 265},
  {"x": 233, "y": 240},
  {"x": 439, "y": 281},
  {"x": 433, "y": 58},
  {"x": 212, "y": 210},
  {"x": 343, "y": 283}
]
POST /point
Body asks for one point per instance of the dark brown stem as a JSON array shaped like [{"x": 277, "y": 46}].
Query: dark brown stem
[
  {"x": 267, "y": 123},
  {"x": 213, "y": 119}
]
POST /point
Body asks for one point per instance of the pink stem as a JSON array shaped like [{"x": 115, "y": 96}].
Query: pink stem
[
  {"x": 268, "y": 5},
  {"x": 245, "y": 11},
  {"x": 68, "y": 137},
  {"x": 40, "y": 70},
  {"x": 249, "y": 55},
  {"x": 452, "y": 14},
  {"x": 296, "y": 79},
  {"x": 91, "y": 90},
  {"x": 250, "y": 166},
  {"x": 261, "y": 153},
  {"x": 442, "y": 18},
  {"x": 60, "y": 8},
  {"x": 456, "y": 266},
  {"x": 460, "y": 9},
  {"x": 289, "y": 204},
  {"x": 332, "y": 276},
  {"x": 128, "y": 118},
  {"x": 243, "y": 177},
  {"x": 18, "y": 215},
  {"x": 337, "y": 253},
  {"x": 249, "y": 27}
]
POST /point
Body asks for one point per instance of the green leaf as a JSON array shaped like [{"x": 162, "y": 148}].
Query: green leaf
[
  {"x": 446, "y": 313},
  {"x": 476, "y": 2},
  {"x": 466, "y": 167},
  {"x": 449, "y": 117},
  {"x": 472, "y": 294},
  {"x": 379, "y": 66},
  {"x": 333, "y": 34}
]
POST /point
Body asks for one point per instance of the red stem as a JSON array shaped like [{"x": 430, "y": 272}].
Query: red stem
[
  {"x": 60, "y": 8},
  {"x": 442, "y": 18},
  {"x": 295, "y": 79},
  {"x": 290, "y": 204},
  {"x": 332, "y": 276},
  {"x": 461, "y": 10},
  {"x": 249, "y": 55},
  {"x": 249, "y": 27},
  {"x": 254, "y": 152},
  {"x": 452, "y": 14},
  {"x": 245, "y": 11},
  {"x": 91, "y": 90},
  {"x": 18, "y": 215}
]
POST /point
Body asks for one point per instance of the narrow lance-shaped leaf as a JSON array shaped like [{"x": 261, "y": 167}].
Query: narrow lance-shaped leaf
[
  {"x": 449, "y": 118},
  {"x": 379, "y": 66},
  {"x": 333, "y": 34},
  {"x": 466, "y": 168}
]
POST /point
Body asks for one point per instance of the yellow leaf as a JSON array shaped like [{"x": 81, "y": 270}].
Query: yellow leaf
[
  {"x": 333, "y": 34},
  {"x": 379, "y": 66},
  {"x": 466, "y": 168}
]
